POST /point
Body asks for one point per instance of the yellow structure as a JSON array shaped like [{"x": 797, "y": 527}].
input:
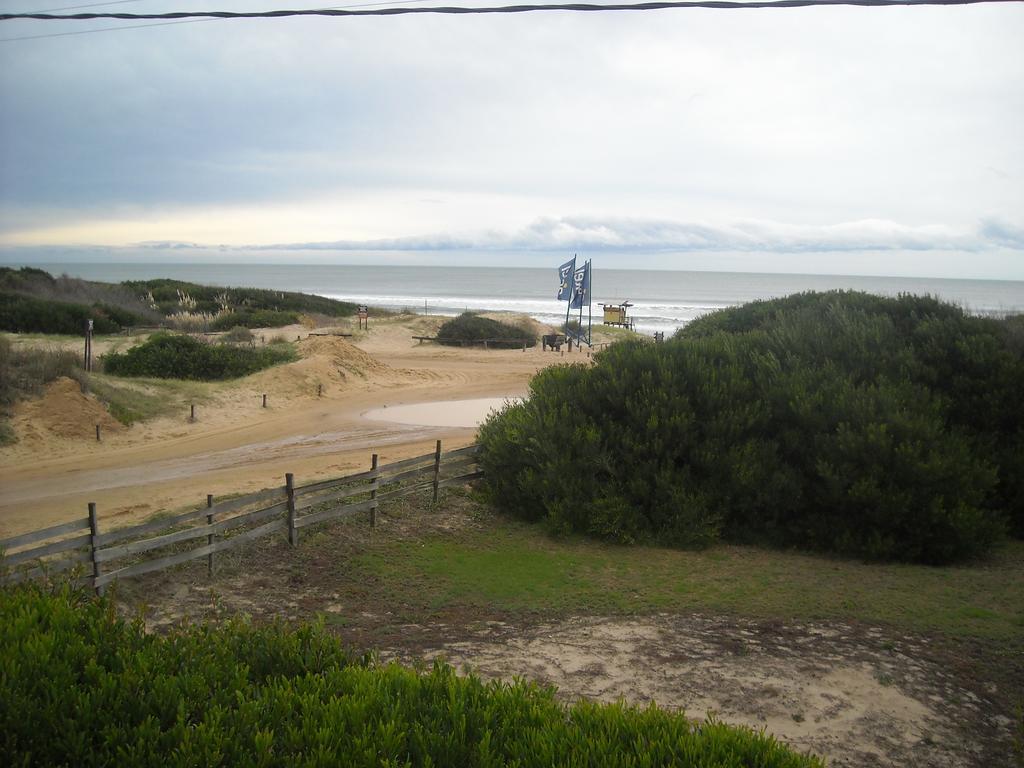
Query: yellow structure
[{"x": 615, "y": 314}]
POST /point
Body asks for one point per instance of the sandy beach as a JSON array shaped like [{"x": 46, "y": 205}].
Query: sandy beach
[{"x": 235, "y": 445}]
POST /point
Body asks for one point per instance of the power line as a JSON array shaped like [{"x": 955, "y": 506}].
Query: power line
[
  {"x": 163, "y": 23},
  {"x": 576, "y": 7},
  {"x": 90, "y": 5}
]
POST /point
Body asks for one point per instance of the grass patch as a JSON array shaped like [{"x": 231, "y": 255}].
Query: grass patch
[
  {"x": 518, "y": 567},
  {"x": 142, "y": 399}
]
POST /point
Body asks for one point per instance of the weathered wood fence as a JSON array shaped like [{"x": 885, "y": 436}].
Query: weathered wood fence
[{"x": 220, "y": 526}]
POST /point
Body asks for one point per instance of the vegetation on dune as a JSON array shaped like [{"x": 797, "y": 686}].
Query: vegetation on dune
[
  {"x": 882, "y": 428},
  {"x": 32, "y": 300},
  {"x": 83, "y": 687},
  {"x": 171, "y": 296},
  {"x": 26, "y": 314},
  {"x": 470, "y": 327},
  {"x": 24, "y": 372},
  {"x": 168, "y": 356}
]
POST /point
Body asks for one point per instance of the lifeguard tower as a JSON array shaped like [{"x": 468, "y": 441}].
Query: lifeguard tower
[{"x": 615, "y": 314}]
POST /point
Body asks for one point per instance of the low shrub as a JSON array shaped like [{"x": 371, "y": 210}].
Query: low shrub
[
  {"x": 469, "y": 327},
  {"x": 167, "y": 356},
  {"x": 83, "y": 687},
  {"x": 882, "y": 428},
  {"x": 238, "y": 335}
]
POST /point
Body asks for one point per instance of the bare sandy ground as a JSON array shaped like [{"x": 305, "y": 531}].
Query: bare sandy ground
[{"x": 235, "y": 445}]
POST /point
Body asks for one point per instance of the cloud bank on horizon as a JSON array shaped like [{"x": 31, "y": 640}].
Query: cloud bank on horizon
[{"x": 871, "y": 138}]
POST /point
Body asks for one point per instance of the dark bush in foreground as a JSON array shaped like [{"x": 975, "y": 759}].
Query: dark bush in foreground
[
  {"x": 165, "y": 356},
  {"x": 469, "y": 327},
  {"x": 25, "y": 314},
  {"x": 82, "y": 687},
  {"x": 884, "y": 428}
]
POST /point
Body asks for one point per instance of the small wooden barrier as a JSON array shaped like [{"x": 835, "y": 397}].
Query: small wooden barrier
[
  {"x": 524, "y": 343},
  {"x": 156, "y": 544}
]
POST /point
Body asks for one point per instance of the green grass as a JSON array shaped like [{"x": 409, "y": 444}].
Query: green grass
[
  {"x": 142, "y": 399},
  {"x": 518, "y": 568}
]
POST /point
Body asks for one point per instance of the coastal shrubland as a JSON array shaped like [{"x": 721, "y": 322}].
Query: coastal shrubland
[
  {"x": 881, "y": 428},
  {"x": 473, "y": 328},
  {"x": 172, "y": 356},
  {"x": 34, "y": 301},
  {"x": 171, "y": 296},
  {"x": 84, "y": 687}
]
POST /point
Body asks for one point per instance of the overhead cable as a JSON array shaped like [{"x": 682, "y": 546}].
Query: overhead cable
[{"x": 576, "y": 7}]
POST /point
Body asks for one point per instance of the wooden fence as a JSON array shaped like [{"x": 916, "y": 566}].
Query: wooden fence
[{"x": 220, "y": 526}]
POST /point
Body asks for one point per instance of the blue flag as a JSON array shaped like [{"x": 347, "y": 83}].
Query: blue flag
[
  {"x": 581, "y": 287},
  {"x": 565, "y": 279}
]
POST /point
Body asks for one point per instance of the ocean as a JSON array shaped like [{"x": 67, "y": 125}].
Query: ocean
[{"x": 662, "y": 300}]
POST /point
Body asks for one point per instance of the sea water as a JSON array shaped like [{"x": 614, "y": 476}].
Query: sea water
[{"x": 662, "y": 300}]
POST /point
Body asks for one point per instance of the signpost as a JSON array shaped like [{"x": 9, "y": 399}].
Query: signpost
[
  {"x": 88, "y": 345},
  {"x": 363, "y": 314}
]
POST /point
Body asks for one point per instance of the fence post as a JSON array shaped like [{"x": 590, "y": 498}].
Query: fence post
[
  {"x": 289, "y": 486},
  {"x": 373, "y": 493},
  {"x": 264, "y": 401},
  {"x": 97, "y": 433},
  {"x": 437, "y": 468},
  {"x": 94, "y": 533},
  {"x": 192, "y": 413},
  {"x": 209, "y": 538}
]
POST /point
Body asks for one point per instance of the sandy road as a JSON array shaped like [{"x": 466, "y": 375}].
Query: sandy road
[{"x": 237, "y": 446}]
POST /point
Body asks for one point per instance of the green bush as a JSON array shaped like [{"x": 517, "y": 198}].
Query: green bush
[
  {"x": 26, "y": 314},
  {"x": 469, "y": 327},
  {"x": 166, "y": 356},
  {"x": 82, "y": 687},
  {"x": 259, "y": 318},
  {"x": 883, "y": 428}
]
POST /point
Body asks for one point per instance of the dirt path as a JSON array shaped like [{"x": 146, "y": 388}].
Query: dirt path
[{"x": 236, "y": 445}]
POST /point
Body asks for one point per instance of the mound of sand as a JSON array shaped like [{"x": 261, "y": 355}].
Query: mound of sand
[
  {"x": 64, "y": 410},
  {"x": 326, "y": 360},
  {"x": 341, "y": 354}
]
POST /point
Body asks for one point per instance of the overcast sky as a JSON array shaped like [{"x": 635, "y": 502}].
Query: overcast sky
[{"x": 830, "y": 140}]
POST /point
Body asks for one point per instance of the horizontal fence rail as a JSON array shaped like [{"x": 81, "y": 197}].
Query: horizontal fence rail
[{"x": 158, "y": 544}]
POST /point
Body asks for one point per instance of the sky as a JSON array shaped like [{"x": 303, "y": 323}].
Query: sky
[{"x": 819, "y": 140}]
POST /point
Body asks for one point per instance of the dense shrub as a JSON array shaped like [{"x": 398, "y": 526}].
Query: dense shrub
[
  {"x": 26, "y": 314},
  {"x": 166, "y": 356},
  {"x": 884, "y": 428},
  {"x": 114, "y": 301},
  {"x": 82, "y": 687},
  {"x": 470, "y": 327},
  {"x": 259, "y": 318}
]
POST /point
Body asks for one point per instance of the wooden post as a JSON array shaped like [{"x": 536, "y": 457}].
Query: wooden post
[
  {"x": 209, "y": 538},
  {"x": 437, "y": 468},
  {"x": 319, "y": 390},
  {"x": 289, "y": 486},
  {"x": 94, "y": 532},
  {"x": 524, "y": 346},
  {"x": 373, "y": 492},
  {"x": 192, "y": 413},
  {"x": 264, "y": 400},
  {"x": 97, "y": 433}
]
